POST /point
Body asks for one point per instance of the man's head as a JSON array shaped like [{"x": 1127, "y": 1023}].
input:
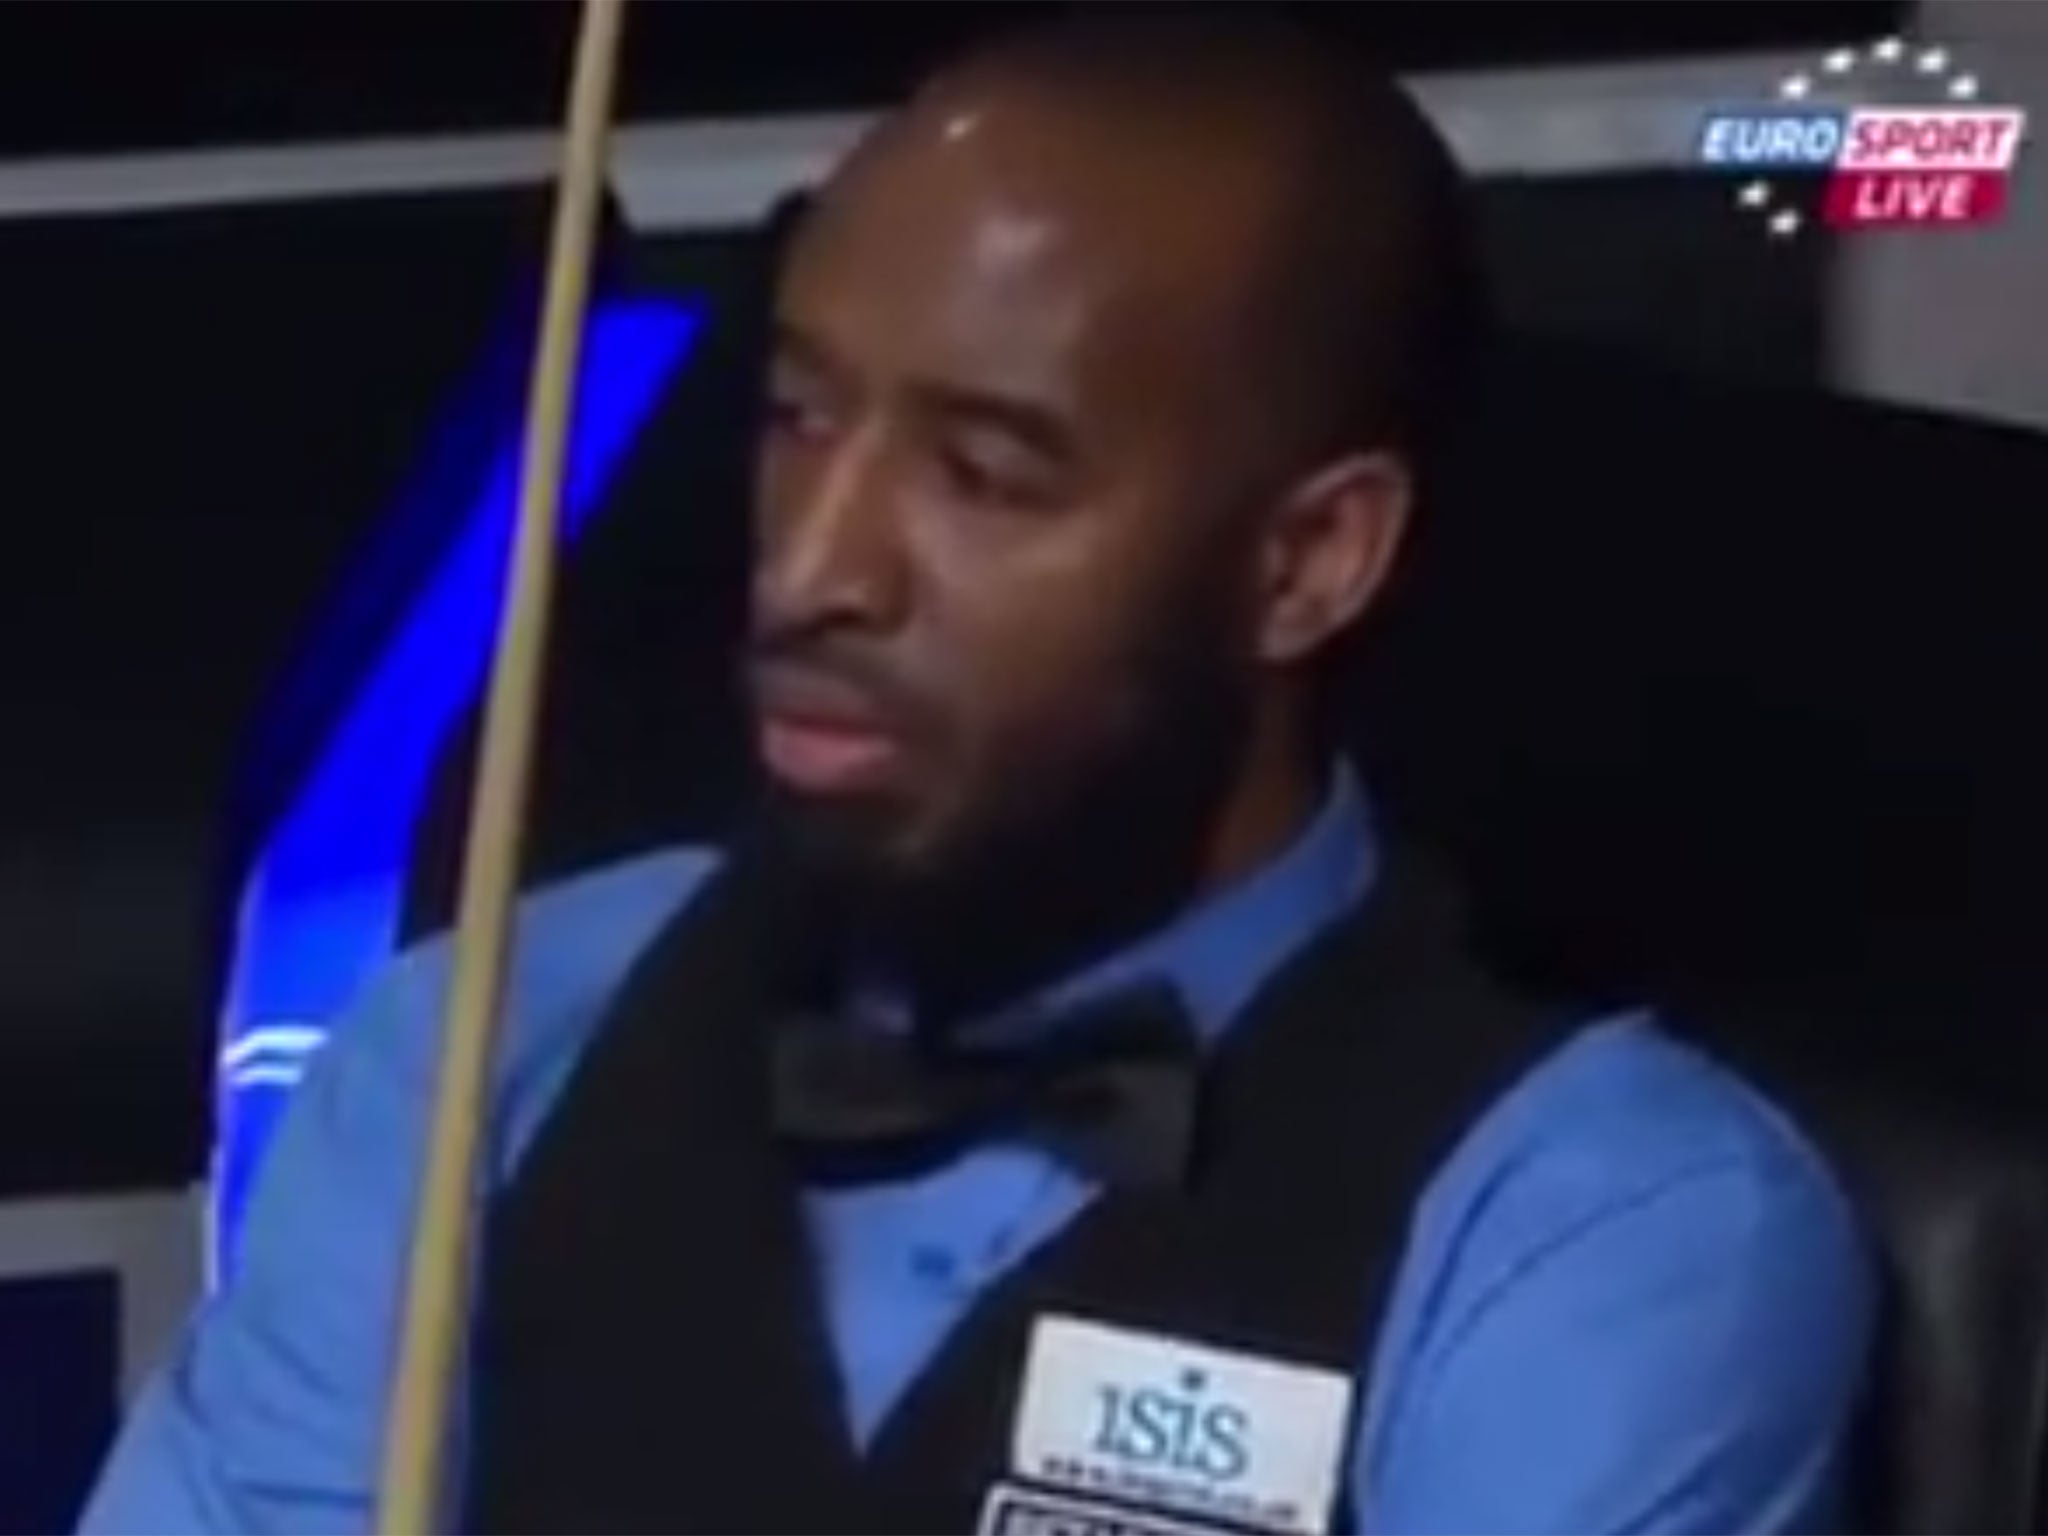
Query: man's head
[{"x": 1100, "y": 379}]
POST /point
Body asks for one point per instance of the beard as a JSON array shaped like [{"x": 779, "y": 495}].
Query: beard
[{"x": 1047, "y": 869}]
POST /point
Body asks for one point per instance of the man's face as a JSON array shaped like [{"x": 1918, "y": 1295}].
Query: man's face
[{"x": 997, "y": 579}]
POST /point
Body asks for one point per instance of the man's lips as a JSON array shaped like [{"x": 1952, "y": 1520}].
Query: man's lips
[
  {"x": 825, "y": 758},
  {"x": 815, "y": 737}
]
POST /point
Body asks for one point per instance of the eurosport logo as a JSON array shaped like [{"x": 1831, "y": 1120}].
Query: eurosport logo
[{"x": 1919, "y": 151}]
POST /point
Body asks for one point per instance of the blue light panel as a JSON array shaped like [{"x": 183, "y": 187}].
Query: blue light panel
[{"x": 322, "y": 905}]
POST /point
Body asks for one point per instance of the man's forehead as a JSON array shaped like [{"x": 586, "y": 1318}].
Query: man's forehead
[
  {"x": 1089, "y": 160},
  {"x": 984, "y": 215}
]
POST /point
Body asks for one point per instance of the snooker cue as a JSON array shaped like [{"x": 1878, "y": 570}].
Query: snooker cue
[{"x": 437, "y": 1281}]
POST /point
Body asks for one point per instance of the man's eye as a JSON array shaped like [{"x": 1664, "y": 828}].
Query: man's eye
[
  {"x": 796, "y": 415},
  {"x": 993, "y": 479}
]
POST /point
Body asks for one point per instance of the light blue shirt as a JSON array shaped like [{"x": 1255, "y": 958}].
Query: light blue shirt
[{"x": 1633, "y": 1298}]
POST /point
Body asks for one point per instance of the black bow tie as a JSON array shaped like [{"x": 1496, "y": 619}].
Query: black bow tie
[{"x": 1109, "y": 1089}]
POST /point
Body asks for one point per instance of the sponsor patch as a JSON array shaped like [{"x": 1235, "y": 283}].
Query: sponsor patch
[{"x": 1172, "y": 1426}]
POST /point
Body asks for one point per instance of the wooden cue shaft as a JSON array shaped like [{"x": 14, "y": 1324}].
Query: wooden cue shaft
[{"x": 437, "y": 1288}]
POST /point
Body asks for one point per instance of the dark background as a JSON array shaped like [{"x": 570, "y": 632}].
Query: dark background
[
  {"x": 126, "y": 73},
  {"x": 59, "y": 1336},
  {"x": 210, "y": 412}
]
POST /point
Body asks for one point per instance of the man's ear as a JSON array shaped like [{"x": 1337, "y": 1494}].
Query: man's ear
[{"x": 1327, "y": 550}]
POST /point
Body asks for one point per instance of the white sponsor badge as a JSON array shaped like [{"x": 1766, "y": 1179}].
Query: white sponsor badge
[{"x": 1165, "y": 1424}]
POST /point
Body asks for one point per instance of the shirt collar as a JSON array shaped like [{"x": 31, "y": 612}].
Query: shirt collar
[{"x": 1218, "y": 953}]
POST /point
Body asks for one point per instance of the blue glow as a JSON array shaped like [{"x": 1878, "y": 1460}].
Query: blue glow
[{"x": 324, "y": 900}]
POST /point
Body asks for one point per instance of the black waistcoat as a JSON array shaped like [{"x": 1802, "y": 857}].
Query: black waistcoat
[{"x": 650, "y": 1352}]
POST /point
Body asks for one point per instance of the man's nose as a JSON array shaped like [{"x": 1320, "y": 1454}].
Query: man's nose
[{"x": 830, "y": 553}]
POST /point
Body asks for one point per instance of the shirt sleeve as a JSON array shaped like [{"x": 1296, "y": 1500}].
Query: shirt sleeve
[
  {"x": 1684, "y": 1360},
  {"x": 266, "y": 1417}
]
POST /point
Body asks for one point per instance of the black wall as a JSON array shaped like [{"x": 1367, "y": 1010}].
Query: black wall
[
  {"x": 114, "y": 75},
  {"x": 206, "y": 412},
  {"x": 1664, "y": 266}
]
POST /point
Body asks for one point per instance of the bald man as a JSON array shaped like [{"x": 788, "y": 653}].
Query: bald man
[{"x": 1065, "y": 1108}]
